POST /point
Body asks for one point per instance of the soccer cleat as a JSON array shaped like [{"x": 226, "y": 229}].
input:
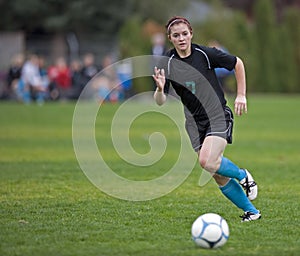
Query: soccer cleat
[
  {"x": 249, "y": 186},
  {"x": 249, "y": 216}
]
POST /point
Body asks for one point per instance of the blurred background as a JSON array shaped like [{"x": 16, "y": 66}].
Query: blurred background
[{"x": 75, "y": 39}]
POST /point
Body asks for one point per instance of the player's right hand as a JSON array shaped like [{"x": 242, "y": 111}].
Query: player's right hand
[{"x": 159, "y": 78}]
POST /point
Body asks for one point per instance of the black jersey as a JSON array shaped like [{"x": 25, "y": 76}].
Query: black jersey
[{"x": 194, "y": 79}]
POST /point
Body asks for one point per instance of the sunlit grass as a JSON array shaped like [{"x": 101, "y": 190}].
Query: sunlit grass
[{"x": 49, "y": 207}]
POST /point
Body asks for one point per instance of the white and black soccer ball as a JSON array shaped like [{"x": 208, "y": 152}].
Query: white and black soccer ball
[{"x": 210, "y": 230}]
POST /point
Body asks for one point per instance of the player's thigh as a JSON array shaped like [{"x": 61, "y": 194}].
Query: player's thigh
[{"x": 211, "y": 152}]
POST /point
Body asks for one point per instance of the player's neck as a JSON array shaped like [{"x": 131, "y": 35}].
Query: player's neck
[{"x": 184, "y": 53}]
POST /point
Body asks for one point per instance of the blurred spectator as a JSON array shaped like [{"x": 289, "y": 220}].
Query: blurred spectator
[
  {"x": 107, "y": 83},
  {"x": 158, "y": 44},
  {"x": 124, "y": 71},
  {"x": 44, "y": 75},
  {"x": 13, "y": 76},
  {"x": 89, "y": 69},
  {"x": 158, "y": 49},
  {"x": 60, "y": 79},
  {"x": 76, "y": 78},
  {"x": 30, "y": 85},
  {"x": 222, "y": 73}
]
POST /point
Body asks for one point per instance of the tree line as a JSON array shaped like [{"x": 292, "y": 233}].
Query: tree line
[{"x": 270, "y": 47}]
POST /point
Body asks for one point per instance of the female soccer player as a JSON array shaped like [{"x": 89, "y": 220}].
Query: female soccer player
[{"x": 189, "y": 68}]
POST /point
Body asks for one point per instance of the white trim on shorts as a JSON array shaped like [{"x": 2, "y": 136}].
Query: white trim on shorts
[{"x": 212, "y": 133}]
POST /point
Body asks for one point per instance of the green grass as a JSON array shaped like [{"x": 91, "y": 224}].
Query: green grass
[{"x": 49, "y": 207}]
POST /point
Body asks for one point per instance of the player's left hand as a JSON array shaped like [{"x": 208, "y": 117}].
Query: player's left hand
[{"x": 240, "y": 105}]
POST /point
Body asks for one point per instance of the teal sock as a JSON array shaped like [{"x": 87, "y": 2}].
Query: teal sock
[
  {"x": 234, "y": 192},
  {"x": 229, "y": 169}
]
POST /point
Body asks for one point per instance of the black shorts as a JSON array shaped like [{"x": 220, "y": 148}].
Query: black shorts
[{"x": 198, "y": 130}]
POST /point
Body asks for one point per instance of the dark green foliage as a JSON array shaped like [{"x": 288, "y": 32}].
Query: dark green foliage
[
  {"x": 74, "y": 15},
  {"x": 266, "y": 42},
  {"x": 266, "y": 47}
]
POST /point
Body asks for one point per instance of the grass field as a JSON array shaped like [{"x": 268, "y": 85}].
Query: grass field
[{"x": 49, "y": 207}]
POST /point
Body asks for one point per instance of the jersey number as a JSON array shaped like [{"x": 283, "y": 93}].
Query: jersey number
[{"x": 191, "y": 85}]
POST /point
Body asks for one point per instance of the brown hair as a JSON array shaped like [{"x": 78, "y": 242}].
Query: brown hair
[{"x": 176, "y": 20}]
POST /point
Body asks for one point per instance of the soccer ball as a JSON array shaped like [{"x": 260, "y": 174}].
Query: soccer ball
[{"x": 210, "y": 230}]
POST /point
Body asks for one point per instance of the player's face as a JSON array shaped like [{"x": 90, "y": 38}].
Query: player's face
[{"x": 181, "y": 37}]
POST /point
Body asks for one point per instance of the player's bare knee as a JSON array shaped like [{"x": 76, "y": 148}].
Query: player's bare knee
[
  {"x": 208, "y": 165},
  {"x": 203, "y": 162}
]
